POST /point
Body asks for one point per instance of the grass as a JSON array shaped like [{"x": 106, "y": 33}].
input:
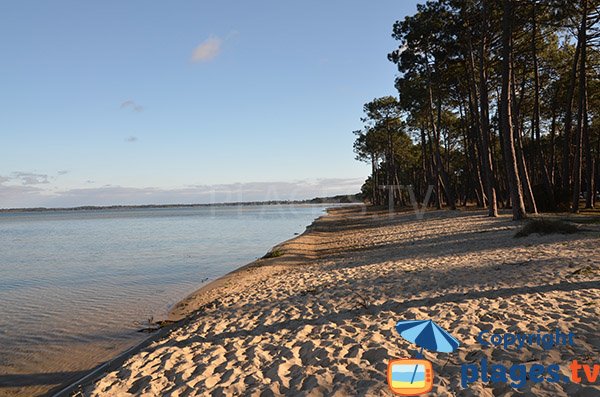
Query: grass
[
  {"x": 586, "y": 221},
  {"x": 546, "y": 226},
  {"x": 273, "y": 254}
]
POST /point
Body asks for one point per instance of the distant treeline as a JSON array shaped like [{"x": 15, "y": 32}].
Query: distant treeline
[
  {"x": 498, "y": 104},
  {"x": 341, "y": 199}
]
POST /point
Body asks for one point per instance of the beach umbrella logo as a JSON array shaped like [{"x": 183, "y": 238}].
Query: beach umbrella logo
[
  {"x": 413, "y": 377},
  {"x": 427, "y": 335}
]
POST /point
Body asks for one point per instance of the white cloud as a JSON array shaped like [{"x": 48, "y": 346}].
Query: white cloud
[
  {"x": 207, "y": 50},
  {"x": 130, "y": 104},
  {"x": 20, "y": 178},
  {"x": 29, "y": 178}
]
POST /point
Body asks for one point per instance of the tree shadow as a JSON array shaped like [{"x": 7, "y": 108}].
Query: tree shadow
[
  {"x": 492, "y": 234},
  {"x": 398, "y": 307},
  {"x": 476, "y": 281}
]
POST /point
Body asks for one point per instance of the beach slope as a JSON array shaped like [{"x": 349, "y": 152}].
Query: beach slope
[{"x": 317, "y": 318}]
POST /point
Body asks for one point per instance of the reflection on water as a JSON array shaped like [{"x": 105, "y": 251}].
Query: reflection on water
[{"x": 75, "y": 285}]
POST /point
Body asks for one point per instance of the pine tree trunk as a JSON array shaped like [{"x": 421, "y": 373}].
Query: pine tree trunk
[
  {"x": 589, "y": 162},
  {"x": 471, "y": 129},
  {"x": 566, "y": 149},
  {"x": 553, "y": 146},
  {"x": 524, "y": 174},
  {"x": 517, "y": 123},
  {"x": 597, "y": 173},
  {"x": 582, "y": 122},
  {"x": 435, "y": 173},
  {"x": 440, "y": 170},
  {"x": 374, "y": 199},
  {"x": 427, "y": 174},
  {"x": 424, "y": 168},
  {"x": 391, "y": 166},
  {"x": 538, "y": 152},
  {"x": 486, "y": 154},
  {"x": 506, "y": 128}
]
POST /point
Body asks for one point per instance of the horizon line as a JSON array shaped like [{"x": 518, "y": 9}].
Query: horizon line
[{"x": 355, "y": 197}]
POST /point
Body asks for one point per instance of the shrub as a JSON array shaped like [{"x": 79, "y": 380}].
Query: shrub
[
  {"x": 273, "y": 254},
  {"x": 546, "y": 226}
]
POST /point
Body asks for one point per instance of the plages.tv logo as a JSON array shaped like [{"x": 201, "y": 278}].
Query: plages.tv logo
[
  {"x": 517, "y": 375},
  {"x": 408, "y": 377},
  {"x": 413, "y": 377}
]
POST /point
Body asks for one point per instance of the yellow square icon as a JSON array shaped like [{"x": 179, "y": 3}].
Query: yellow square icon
[{"x": 410, "y": 377}]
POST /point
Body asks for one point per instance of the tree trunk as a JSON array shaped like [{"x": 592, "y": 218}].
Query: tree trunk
[
  {"x": 425, "y": 169},
  {"x": 566, "y": 149},
  {"x": 538, "y": 152},
  {"x": 552, "y": 144},
  {"x": 597, "y": 173},
  {"x": 517, "y": 131},
  {"x": 506, "y": 128},
  {"x": 440, "y": 170},
  {"x": 486, "y": 154},
  {"x": 375, "y": 192},
  {"x": 589, "y": 162},
  {"x": 390, "y": 167},
  {"x": 435, "y": 173},
  {"x": 582, "y": 122},
  {"x": 472, "y": 129}
]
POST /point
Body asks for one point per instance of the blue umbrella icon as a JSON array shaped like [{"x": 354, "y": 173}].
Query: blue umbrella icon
[{"x": 427, "y": 335}]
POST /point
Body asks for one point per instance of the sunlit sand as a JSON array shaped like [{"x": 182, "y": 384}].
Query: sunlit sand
[{"x": 319, "y": 319}]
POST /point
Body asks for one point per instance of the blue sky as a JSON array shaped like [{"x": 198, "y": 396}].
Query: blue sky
[{"x": 136, "y": 102}]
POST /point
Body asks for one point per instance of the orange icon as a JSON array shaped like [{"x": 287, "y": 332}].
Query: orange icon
[{"x": 410, "y": 377}]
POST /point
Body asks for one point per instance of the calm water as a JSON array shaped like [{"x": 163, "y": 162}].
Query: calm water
[{"x": 74, "y": 286}]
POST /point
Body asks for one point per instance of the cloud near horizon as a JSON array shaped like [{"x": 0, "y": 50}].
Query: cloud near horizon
[
  {"x": 207, "y": 50},
  {"x": 131, "y": 104},
  {"x": 20, "y": 178},
  {"x": 24, "y": 197},
  {"x": 29, "y": 178}
]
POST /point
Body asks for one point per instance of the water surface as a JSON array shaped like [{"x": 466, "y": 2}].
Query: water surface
[{"x": 76, "y": 285}]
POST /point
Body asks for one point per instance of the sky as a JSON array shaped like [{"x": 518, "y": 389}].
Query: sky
[{"x": 137, "y": 102}]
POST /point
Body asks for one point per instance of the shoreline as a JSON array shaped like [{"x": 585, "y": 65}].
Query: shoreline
[
  {"x": 209, "y": 292},
  {"x": 321, "y": 321},
  {"x": 185, "y": 309}
]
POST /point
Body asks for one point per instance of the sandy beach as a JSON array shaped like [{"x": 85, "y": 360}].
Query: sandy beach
[{"x": 317, "y": 318}]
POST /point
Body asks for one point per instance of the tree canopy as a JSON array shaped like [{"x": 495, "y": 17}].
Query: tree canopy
[{"x": 497, "y": 105}]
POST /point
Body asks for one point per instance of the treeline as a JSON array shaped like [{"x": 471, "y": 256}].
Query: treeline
[
  {"x": 498, "y": 105},
  {"x": 339, "y": 199}
]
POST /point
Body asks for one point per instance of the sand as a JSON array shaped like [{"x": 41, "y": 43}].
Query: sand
[{"x": 319, "y": 320}]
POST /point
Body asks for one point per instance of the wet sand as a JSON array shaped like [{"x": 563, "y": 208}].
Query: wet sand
[{"x": 318, "y": 320}]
